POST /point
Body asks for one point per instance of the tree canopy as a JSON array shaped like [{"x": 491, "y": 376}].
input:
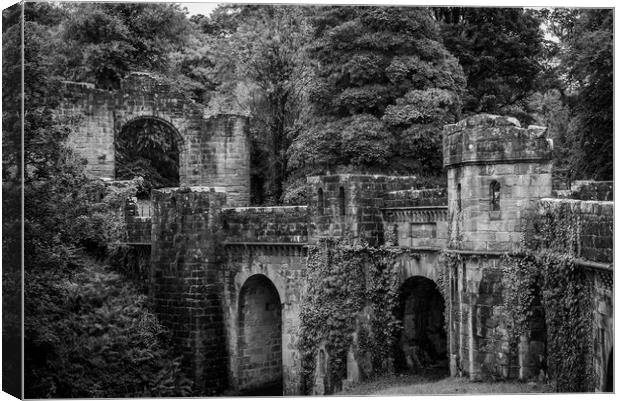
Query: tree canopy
[
  {"x": 499, "y": 50},
  {"x": 384, "y": 87}
]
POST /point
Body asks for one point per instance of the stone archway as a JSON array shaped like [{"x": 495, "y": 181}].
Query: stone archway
[
  {"x": 421, "y": 344},
  {"x": 149, "y": 147},
  {"x": 259, "y": 338}
]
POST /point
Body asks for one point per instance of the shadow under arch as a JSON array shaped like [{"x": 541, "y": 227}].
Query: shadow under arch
[
  {"x": 609, "y": 373},
  {"x": 150, "y": 147},
  {"x": 259, "y": 338},
  {"x": 421, "y": 345}
]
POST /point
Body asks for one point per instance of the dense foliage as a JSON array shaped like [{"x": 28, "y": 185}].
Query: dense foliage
[
  {"x": 147, "y": 148},
  {"x": 384, "y": 87},
  {"x": 556, "y": 282},
  {"x": 499, "y": 50},
  {"x": 102, "y": 42},
  {"x": 86, "y": 332},
  {"x": 328, "y": 89},
  {"x": 352, "y": 292},
  {"x": 357, "y": 89}
]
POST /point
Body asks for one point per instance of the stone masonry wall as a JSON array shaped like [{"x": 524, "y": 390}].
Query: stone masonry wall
[
  {"x": 416, "y": 218},
  {"x": 279, "y": 224},
  {"x": 591, "y": 223},
  {"x": 186, "y": 287},
  {"x": 583, "y": 229},
  {"x": 213, "y": 151},
  {"x": 496, "y": 172},
  {"x": 358, "y": 216},
  {"x": 588, "y": 190},
  {"x": 260, "y": 335},
  {"x": 484, "y": 152},
  {"x": 284, "y": 266}
]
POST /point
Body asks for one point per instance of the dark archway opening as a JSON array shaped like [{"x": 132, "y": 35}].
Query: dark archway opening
[
  {"x": 421, "y": 344},
  {"x": 609, "y": 374},
  {"x": 260, "y": 338},
  {"x": 148, "y": 147}
]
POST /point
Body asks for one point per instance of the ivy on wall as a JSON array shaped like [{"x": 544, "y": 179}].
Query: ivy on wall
[
  {"x": 352, "y": 291},
  {"x": 562, "y": 287}
]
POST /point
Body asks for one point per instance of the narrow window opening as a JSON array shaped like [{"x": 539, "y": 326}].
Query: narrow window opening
[
  {"x": 458, "y": 198},
  {"x": 495, "y": 193},
  {"x": 341, "y": 201},
  {"x": 322, "y": 363},
  {"x": 321, "y": 202}
]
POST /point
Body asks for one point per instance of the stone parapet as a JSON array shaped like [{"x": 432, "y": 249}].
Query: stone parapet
[
  {"x": 491, "y": 139},
  {"x": 279, "y": 224},
  {"x": 583, "y": 229},
  {"x": 588, "y": 190},
  {"x": 417, "y": 197},
  {"x": 349, "y": 205}
]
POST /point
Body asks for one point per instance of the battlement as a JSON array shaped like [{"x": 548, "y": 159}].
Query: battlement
[
  {"x": 487, "y": 138},
  {"x": 253, "y": 225}
]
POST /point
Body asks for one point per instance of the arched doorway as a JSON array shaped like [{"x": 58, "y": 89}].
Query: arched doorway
[
  {"x": 421, "y": 345},
  {"x": 148, "y": 147},
  {"x": 609, "y": 374},
  {"x": 260, "y": 338}
]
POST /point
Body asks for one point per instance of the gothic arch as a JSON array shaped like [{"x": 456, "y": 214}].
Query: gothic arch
[{"x": 259, "y": 339}]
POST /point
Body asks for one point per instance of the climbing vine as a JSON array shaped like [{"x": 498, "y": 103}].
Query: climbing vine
[
  {"x": 562, "y": 287},
  {"x": 448, "y": 268},
  {"x": 351, "y": 292}
]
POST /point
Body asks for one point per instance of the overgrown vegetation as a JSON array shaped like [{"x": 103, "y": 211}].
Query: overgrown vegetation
[
  {"x": 561, "y": 286},
  {"x": 87, "y": 332},
  {"x": 548, "y": 275},
  {"x": 339, "y": 89},
  {"x": 352, "y": 291},
  {"x": 329, "y": 89}
]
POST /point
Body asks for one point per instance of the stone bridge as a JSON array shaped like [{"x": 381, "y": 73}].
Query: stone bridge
[{"x": 228, "y": 279}]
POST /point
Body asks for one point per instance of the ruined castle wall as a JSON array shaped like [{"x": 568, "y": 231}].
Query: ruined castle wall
[
  {"x": 284, "y": 266},
  {"x": 225, "y": 157},
  {"x": 588, "y": 190},
  {"x": 277, "y": 224},
  {"x": 590, "y": 224},
  {"x": 483, "y": 151},
  {"x": 583, "y": 229},
  {"x": 138, "y": 230},
  {"x": 213, "y": 151},
  {"x": 416, "y": 218},
  {"x": 268, "y": 242},
  {"x": 496, "y": 172},
  {"x": 603, "y": 327},
  {"x": 186, "y": 285},
  {"x": 351, "y": 206},
  {"x": 91, "y": 111}
]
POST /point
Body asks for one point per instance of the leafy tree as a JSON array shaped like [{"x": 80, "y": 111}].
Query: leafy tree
[
  {"x": 580, "y": 69},
  {"x": 589, "y": 61},
  {"x": 86, "y": 334},
  {"x": 263, "y": 72},
  {"x": 499, "y": 50},
  {"x": 11, "y": 200},
  {"x": 385, "y": 85},
  {"x": 102, "y": 42}
]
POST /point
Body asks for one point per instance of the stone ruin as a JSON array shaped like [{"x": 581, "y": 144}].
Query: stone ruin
[{"x": 228, "y": 279}]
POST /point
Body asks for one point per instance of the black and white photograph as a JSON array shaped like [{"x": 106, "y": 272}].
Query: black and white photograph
[{"x": 306, "y": 199}]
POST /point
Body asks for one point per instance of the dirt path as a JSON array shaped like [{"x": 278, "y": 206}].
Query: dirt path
[{"x": 440, "y": 384}]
